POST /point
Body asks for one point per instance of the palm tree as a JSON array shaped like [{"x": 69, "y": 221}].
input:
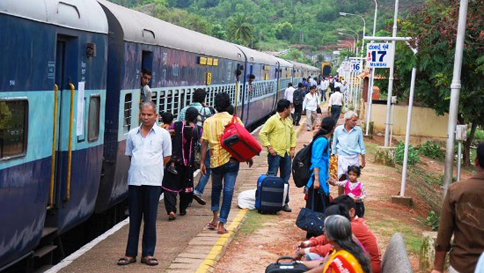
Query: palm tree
[{"x": 240, "y": 29}]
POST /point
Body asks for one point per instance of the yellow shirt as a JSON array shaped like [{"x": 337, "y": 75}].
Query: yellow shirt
[
  {"x": 341, "y": 260},
  {"x": 279, "y": 134},
  {"x": 213, "y": 129}
]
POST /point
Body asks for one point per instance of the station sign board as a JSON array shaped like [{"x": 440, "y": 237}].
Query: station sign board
[
  {"x": 379, "y": 55},
  {"x": 355, "y": 66}
]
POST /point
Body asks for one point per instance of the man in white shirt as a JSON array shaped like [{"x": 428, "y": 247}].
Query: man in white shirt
[
  {"x": 149, "y": 149},
  {"x": 288, "y": 94},
  {"x": 312, "y": 81},
  {"x": 336, "y": 102},
  {"x": 310, "y": 105},
  {"x": 324, "y": 88}
]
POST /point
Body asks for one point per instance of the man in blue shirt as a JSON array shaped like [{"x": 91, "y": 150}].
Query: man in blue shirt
[{"x": 348, "y": 145}]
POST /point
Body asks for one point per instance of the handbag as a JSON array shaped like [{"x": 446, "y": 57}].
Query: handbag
[
  {"x": 310, "y": 220},
  {"x": 333, "y": 167}
]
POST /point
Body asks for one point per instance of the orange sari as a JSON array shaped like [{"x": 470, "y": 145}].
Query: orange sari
[{"x": 342, "y": 262}]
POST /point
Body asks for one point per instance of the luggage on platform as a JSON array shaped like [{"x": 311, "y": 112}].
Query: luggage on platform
[
  {"x": 239, "y": 142},
  {"x": 288, "y": 267},
  {"x": 269, "y": 196}
]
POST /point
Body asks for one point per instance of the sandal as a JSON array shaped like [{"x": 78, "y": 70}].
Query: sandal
[
  {"x": 212, "y": 226},
  {"x": 171, "y": 216},
  {"x": 126, "y": 260},
  {"x": 149, "y": 261},
  {"x": 222, "y": 232}
]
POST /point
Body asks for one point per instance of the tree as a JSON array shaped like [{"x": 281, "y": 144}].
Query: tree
[
  {"x": 240, "y": 29},
  {"x": 435, "y": 27},
  {"x": 219, "y": 32},
  {"x": 283, "y": 31}
]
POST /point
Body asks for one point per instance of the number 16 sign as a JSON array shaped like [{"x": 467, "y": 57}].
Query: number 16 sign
[{"x": 379, "y": 55}]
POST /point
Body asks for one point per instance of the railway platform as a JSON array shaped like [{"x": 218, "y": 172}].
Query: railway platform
[{"x": 183, "y": 245}]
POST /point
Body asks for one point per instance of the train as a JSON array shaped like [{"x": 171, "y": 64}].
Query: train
[{"x": 70, "y": 92}]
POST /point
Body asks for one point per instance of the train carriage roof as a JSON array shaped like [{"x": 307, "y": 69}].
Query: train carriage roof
[
  {"x": 254, "y": 56},
  {"x": 76, "y": 14},
  {"x": 141, "y": 28},
  {"x": 304, "y": 66},
  {"x": 284, "y": 63}
]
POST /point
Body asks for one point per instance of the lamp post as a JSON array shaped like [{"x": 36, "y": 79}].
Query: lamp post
[
  {"x": 355, "y": 39},
  {"x": 371, "y": 80},
  {"x": 346, "y": 43},
  {"x": 364, "y": 25}
]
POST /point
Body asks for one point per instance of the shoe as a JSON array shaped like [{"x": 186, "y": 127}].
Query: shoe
[
  {"x": 183, "y": 213},
  {"x": 171, "y": 216},
  {"x": 189, "y": 204},
  {"x": 286, "y": 208},
  {"x": 199, "y": 199},
  {"x": 171, "y": 170},
  {"x": 126, "y": 260}
]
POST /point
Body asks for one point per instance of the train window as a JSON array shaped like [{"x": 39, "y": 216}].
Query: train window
[
  {"x": 169, "y": 101},
  {"x": 127, "y": 112},
  {"x": 189, "y": 95},
  {"x": 154, "y": 96},
  {"x": 161, "y": 106},
  {"x": 94, "y": 115},
  {"x": 13, "y": 128},
  {"x": 176, "y": 102},
  {"x": 182, "y": 99}
]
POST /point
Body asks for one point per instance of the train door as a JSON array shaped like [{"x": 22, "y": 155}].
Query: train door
[
  {"x": 66, "y": 65},
  {"x": 146, "y": 64},
  {"x": 251, "y": 88}
]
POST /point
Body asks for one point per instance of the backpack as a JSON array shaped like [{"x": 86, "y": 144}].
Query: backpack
[
  {"x": 298, "y": 97},
  {"x": 204, "y": 114},
  {"x": 301, "y": 165}
]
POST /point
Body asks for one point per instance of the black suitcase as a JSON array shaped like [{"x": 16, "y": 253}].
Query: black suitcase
[
  {"x": 269, "y": 194},
  {"x": 292, "y": 267}
]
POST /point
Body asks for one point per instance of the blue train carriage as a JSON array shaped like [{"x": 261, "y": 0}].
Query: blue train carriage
[
  {"x": 297, "y": 72},
  {"x": 181, "y": 60},
  {"x": 258, "y": 100},
  {"x": 284, "y": 76},
  {"x": 52, "y": 101}
]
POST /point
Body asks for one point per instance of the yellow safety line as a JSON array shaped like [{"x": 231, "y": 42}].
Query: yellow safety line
[{"x": 209, "y": 261}]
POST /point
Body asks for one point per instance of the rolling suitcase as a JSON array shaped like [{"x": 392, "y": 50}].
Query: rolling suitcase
[
  {"x": 239, "y": 142},
  {"x": 290, "y": 267},
  {"x": 269, "y": 196}
]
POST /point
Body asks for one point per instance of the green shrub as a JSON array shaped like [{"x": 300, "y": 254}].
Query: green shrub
[
  {"x": 478, "y": 135},
  {"x": 433, "y": 220},
  {"x": 431, "y": 149},
  {"x": 413, "y": 157}
]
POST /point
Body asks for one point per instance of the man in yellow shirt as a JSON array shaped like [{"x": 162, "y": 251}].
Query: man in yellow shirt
[
  {"x": 224, "y": 168},
  {"x": 279, "y": 137}
]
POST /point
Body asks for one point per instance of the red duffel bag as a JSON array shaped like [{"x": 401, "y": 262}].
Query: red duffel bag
[{"x": 239, "y": 142}]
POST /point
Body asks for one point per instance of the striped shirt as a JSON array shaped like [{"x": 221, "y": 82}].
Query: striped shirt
[{"x": 213, "y": 129}]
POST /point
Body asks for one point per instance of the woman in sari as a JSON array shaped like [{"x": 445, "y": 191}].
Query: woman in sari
[
  {"x": 186, "y": 137},
  {"x": 347, "y": 255}
]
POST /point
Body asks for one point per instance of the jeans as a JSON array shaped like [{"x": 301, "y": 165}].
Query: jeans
[
  {"x": 228, "y": 174},
  {"x": 335, "y": 112},
  {"x": 297, "y": 113},
  {"x": 284, "y": 164},
  {"x": 143, "y": 203},
  {"x": 204, "y": 178}
]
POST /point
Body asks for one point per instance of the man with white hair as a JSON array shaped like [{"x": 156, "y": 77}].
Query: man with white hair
[{"x": 348, "y": 145}]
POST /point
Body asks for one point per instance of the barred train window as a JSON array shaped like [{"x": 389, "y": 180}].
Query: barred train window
[
  {"x": 13, "y": 128},
  {"x": 94, "y": 115},
  {"x": 127, "y": 113}
]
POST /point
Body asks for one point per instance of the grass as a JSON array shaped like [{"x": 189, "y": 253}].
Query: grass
[
  {"x": 371, "y": 147},
  {"x": 389, "y": 226},
  {"x": 255, "y": 221}
]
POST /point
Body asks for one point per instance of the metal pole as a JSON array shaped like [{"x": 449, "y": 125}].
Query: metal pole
[
  {"x": 390, "y": 78},
  {"x": 391, "y": 128},
  {"x": 454, "y": 95},
  {"x": 459, "y": 154},
  {"x": 407, "y": 131}
]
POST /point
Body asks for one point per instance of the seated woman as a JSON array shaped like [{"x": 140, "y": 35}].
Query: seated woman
[
  {"x": 186, "y": 136},
  {"x": 347, "y": 255}
]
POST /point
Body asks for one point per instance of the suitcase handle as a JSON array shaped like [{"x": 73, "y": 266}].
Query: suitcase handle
[{"x": 285, "y": 258}]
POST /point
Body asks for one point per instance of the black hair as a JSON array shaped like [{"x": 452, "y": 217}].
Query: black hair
[
  {"x": 315, "y": 78},
  {"x": 231, "y": 109},
  {"x": 282, "y": 105},
  {"x": 480, "y": 155},
  {"x": 337, "y": 209},
  {"x": 337, "y": 89},
  {"x": 199, "y": 95},
  {"x": 252, "y": 76},
  {"x": 222, "y": 102},
  {"x": 300, "y": 85},
  {"x": 344, "y": 200},
  {"x": 191, "y": 114},
  {"x": 166, "y": 117},
  {"x": 327, "y": 124},
  {"x": 289, "y": 84},
  {"x": 312, "y": 87},
  {"x": 355, "y": 169},
  {"x": 338, "y": 229},
  {"x": 146, "y": 71},
  {"x": 304, "y": 79}
]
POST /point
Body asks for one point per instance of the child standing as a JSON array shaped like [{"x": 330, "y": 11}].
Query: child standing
[{"x": 354, "y": 188}]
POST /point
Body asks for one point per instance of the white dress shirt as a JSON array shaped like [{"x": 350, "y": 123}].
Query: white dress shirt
[
  {"x": 147, "y": 153},
  {"x": 324, "y": 85},
  {"x": 289, "y": 93},
  {"x": 311, "y": 102},
  {"x": 336, "y": 99}
]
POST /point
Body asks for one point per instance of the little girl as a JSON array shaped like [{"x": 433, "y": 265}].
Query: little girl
[{"x": 354, "y": 189}]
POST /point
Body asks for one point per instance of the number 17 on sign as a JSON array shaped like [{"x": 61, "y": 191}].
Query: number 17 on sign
[{"x": 379, "y": 55}]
